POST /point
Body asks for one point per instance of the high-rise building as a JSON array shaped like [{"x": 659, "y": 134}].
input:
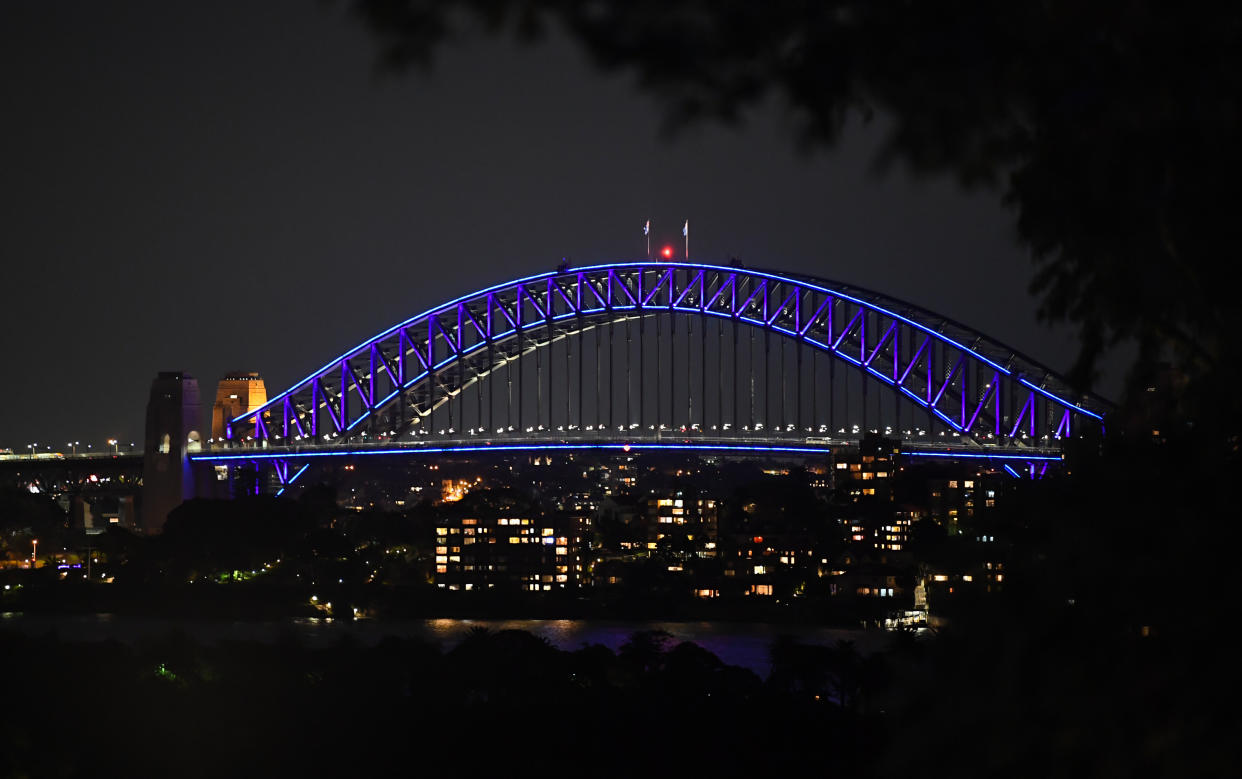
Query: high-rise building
[
  {"x": 681, "y": 525},
  {"x": 536, "y": 553}
]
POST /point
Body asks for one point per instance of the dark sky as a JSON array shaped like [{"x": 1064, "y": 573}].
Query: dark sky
[{"x": 218, "y": 186}]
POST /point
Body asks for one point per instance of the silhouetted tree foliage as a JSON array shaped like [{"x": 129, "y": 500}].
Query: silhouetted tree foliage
[
  {"x": 1106, "y": 653},
  {"x": 927, "y": 540},
  {"x": 645, "y": 649},
  {"x": 771, "y": 504},
  {"x": 242, "y": 534},
  {"x": 30, "y": 515},
  {"x": 1110, "y": 127},
  {"x": 499, "y": 703}
]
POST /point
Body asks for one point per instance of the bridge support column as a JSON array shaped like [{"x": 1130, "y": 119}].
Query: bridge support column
[{"x": 174, "y": 425}]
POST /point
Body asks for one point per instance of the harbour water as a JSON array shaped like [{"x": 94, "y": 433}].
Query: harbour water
[{"x": 735, "y": 643}]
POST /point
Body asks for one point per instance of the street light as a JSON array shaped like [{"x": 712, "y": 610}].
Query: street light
[
  {"x": 112, "y": 443},
  {"x": 34, "y": 551}
]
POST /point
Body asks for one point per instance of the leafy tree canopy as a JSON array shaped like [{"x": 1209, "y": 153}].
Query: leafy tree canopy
[{"x": 1109, "y": 127}]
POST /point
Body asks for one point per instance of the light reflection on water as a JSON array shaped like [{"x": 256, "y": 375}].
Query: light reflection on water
[{"x": 744, "y": 644}]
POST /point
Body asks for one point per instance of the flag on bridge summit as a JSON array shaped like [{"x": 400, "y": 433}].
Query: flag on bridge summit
[
  {"x": 647, "y": 228},
  {"x": 685, "y": 230}
]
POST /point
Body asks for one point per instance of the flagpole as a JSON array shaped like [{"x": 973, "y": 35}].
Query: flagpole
[
  {"x": 647, "y": 232},
  {"x": 686, "y": 232}
]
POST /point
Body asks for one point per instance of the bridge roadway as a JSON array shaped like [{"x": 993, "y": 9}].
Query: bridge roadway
[
  {"x": 674, "y": 441},
  {"x": 80, "y": 468},
  {"x": 55, "y": 460},
  {"x": 93, "y": 473}
]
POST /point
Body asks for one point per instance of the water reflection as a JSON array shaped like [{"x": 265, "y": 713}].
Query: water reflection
[{"x": 744, "y": 644}]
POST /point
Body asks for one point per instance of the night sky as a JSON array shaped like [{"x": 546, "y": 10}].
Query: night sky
[{"x": 231, "y": 186}]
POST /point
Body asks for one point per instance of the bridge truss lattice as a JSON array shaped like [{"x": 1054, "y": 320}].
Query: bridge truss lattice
[{"x": 646, "y": 351}]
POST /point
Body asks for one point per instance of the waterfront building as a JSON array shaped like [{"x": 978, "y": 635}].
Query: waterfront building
[
  {"x": 681, "y": 526},
  {"x": 478, "y": 550}
]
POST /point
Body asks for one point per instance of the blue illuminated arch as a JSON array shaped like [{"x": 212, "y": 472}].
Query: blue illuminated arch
[{"x": 956, "y": 374}]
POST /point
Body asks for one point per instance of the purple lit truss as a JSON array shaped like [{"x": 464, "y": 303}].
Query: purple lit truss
[{"x": 989, "y": 395}]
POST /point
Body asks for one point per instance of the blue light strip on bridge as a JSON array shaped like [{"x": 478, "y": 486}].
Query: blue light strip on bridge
[
  {"x": 1026, "y": 458},
  {"x": 513, "y": 448},
  {"x": 756, "y": 449},
  {"x": 301, "y": 471}
]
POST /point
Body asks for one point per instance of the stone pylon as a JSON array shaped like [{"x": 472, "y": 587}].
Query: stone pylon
[{"x": 174, "y": 429}]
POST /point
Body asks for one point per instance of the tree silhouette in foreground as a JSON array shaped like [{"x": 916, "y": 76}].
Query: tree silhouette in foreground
[{"x": 1110, "y": 128}]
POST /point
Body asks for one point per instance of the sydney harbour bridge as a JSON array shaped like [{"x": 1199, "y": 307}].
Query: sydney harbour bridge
[{"x": 647, "y": 355}]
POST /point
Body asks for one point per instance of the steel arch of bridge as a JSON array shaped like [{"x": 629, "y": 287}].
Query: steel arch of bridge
[{"x": 985, "y": 393}]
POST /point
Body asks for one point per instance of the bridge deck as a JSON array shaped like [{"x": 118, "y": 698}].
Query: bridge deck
[{"x": 586, "y": 442}]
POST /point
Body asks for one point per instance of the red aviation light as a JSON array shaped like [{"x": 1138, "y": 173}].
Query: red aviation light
[{"x": 667, "y": 252}]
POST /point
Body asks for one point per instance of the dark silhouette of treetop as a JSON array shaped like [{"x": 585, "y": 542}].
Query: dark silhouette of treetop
[{"x": 1109, "y": 127}]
